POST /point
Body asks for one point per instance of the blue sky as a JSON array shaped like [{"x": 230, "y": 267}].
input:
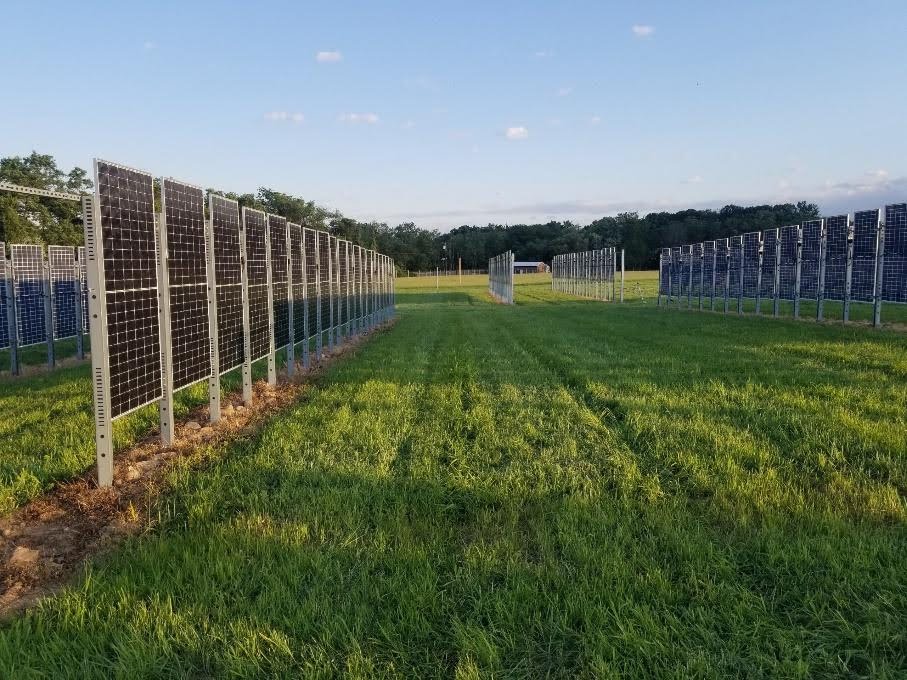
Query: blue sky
[{"x": 452, "y": 113}]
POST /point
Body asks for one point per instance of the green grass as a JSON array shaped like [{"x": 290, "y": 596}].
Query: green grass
[{"x": 561, "y": 487}]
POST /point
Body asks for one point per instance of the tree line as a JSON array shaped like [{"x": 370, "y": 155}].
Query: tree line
[{"x": 33, "y": 219}]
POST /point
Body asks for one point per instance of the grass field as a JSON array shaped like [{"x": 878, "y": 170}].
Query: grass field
[{"x": 560, "y": 487}]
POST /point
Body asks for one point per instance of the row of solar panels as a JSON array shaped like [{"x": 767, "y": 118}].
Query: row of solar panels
[
  {"x": 500, "y": 277},
  {"x": 861, "y": 258},
  {"x": 585, "y": 273},
  {"x": 38, "y": 290}
]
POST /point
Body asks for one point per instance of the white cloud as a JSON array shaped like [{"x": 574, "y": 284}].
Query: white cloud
[
  {"x": 369, "y": 118},
  {"x": 328, "y": 57},
  {"x": 695, "y": 179},
  {"x": 642, "y": 30},
  {"x": 518, "y": 132},
  {"x": 595, "y": 120},
  {"x": 285, "y": 117},
  {"x": 879, "y": 175},
  {"x": 542, "y": 54},
  {"x": 564, "y": 91},
  {"x": 150, "y": 45}
]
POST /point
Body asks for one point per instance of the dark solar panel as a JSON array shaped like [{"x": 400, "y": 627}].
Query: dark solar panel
[
  {"x": 324, "y": 278},
  {"x": 865, "y": 244},
  {"x": 708, "y": 267},
  {"x": 788, "y": 278},
  {"x": 344, "y": 292},
  {"x": 83, "y": 279},
  {"x": 61, "y": 260},
  {"x": 358, "y": 274},
  {"x": 297, "y": 271},
  {"x": 309, "y": 239},
  {"x": 696, "y": 267},
  {"x": 184, "y": 216},
  {"x": 894, "y": 273},
  {"x": 28, "y": 277},
  {"x": 256, "y": 264},
  {"x": 769, "y": 262},
  {"x": 4, "y": 320},
  {"x": 752, "y": 242},
  {"x": 676, "y": 270},
  {"x": 835, "y": 256},
  {"x": 811, "y": 234},
  {"x": 228, "y": 264},
  {"x": 126, "y": 207},
  {"x": 735, "y": 265},
  {"x": 279, "y": 278},
  {"x": 721, "y": 266}
]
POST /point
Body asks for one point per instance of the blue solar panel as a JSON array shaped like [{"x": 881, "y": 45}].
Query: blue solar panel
[
  {"x": 696, "y": 268},
  {"x": 684, "y": 271},
  {"x": 708, "y": 268},
  {"x": 28, "y": 275},
  {"x": 721, "y": 267},
  {"x": 4, "y": 323},
  {"x": 810, "y": 252},
  {"x": 664, "y": 268},
  {"x": 769, "y": 262},
  {"x": 751, "y": 245},
  {"x": 61, "y": 260},
  {"x": 894, "y": 273},
  {"x": 835, "y": 256},
  {"x": 788, "y": 278},
  {"x": 865, "y": 248},
  {"x": 83, "y": 279},
  {"x": 676, "y": 267},
  {"x": 735, "y": 266}
]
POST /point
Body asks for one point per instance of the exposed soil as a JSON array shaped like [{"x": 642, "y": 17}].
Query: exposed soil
[{"x": 43, "y": 542}]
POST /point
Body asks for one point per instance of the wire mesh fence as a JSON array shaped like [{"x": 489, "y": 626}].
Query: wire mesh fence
[
  {"x": 500, "y": 278},
  {"x": 596, "y": 274},
  {"x": 858, "y": 259}
]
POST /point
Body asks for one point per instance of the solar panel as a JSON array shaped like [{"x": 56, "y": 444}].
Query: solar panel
[
  {"x": 183, "y": 207},
  {"x": 344, "y": 298},
  {"x": 228, "y": 265},
  {"x": 835, "y": 256},
  {"x": 865, "y": 249},
  {"x": 788, "y": 275},
  {"x": 279, "y": 280},
  {"x": 708, "y": 268},
  {"x": 355, "y": 278},
  {"x": 126, "y": 209},
  {"x": 61, "y": 262},
  {"x": 324, "y": 283},
  {"x": 28, "y": 278},
  {"x": 721, "y": 267},
  {"x": 894, "y": 272},
  {"x": 696, "y": 269},
  {"x": 752, "y": 243},
  {"x": 255, "y": 227},
  {"x": 309, "y": 242},
  {"x": 810, "y": 254},
  {"x": 769, "y": 263},
  {"x": 297, "y": 269},
  {"x": 83, "y": 279},
  {"x": 4, "y": 320},
  {"x": 735, "y": 266}
]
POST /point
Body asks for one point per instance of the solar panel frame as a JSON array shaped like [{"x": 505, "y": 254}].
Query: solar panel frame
[
  {"x": 708, "y": 271},
  {"x": 696, "y": 286},
  {"x": 664, "y": 271},
  {"x": 280, "y": 290},
  {"x": 309, "y": 245},
  {"x": 4, "y": 318},
  {"x": 255, "y": 229},
  {"x": 324, "y": 283},
  {"x": 61, "y": 261},
  {"x": 186, "y": 318},
  {"x": 811, "y": 235},
  {"x": 226, "y": 250},
  {"x": 894, "y": 271},
  {"x": 297, "y": 271},
  {"x": 29, "y": 288},
  {"x": 788, "y": 237},
  {"x": 865, "y": 255},
  {"x": 735, "y": 270},
  {"x": 722, "y": 254},
  {"x": 836, "y": 249},
  {"x": 752, "y": 248}
]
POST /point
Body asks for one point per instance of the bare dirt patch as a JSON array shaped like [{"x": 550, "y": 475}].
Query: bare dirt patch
[{"x": 44, "y": 541}]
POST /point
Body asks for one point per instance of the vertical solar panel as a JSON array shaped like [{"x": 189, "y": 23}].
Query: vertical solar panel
[
  {"x": 835, "y": 256},
  {"x": 309, "y": 242},
  {"x": 225, "y": 225},
  {"x": 676, "y": 270},
  {"x": 61, "y": 261},
  {"x": 28, "y": 278},
  {"x": 769, "y": 261},
  {"x": 324, "y": 274},
  {"x": 894, "y": 272},
  {"x": 354, "y": 284},
  {"x": 125, "y": 203},
  {"x": 344, "y": 282},
  {"x": 684, "y": 274},
  {"x": 184, "y": 218},
  {"x": 788, "y": 274},
  {"x": 664, "y": 268},
  {"x": 255, "y": 227},
  {"x": 708, "y": 267},
  {"x": 280, "y": 280},
  {"x": 696, "y": 269},
  {"x": 752, "y": 242},
  {"x": 735, "y": 266},
  {"x": 810, "y": 252},
  {"x": 865, "y": 249},
  {"x": 297, "y": 269},
  {"x": 4, "y": 319},
  {"x": 721, "y": 267}
]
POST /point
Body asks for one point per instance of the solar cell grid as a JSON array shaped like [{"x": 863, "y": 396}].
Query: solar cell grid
[
  {"x": 297, "y": 267},
  {"x": 894, "y": 272},
  {"x": 344, "y": 314},
  {"x": 61, "y": 261},
  {"x": 735, "y": 264},
  {"x": 309, "y": 238},
  {"x": 835, "y": 256},
  {"x": 676, "y": 268},
  {"x": 225, "y": 226},
  {"x": 279, "y": 278},
  {"x": 708, "y": 264},
  {"x": 324, "y": 272},
  {"x": 769, "y": 250},
  {"x": 865, "y": 243},
  {"x": 721, "y": 266},
  {"x": 4, "y": 322},
  {"x": 189, "y": 334},
  {"x": 255, "y": 227},
  {"x": 788, "y": 277},
  {"x": 28, "y": 278},
  {"x": 696, "y": 290},
  {"x": 810, "y": 251},
  {"x": 752, "y": 242}
]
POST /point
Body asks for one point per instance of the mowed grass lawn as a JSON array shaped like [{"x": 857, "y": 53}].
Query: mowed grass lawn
[{"x": 558, "y": 488}]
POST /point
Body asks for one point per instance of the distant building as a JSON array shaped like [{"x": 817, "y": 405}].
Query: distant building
[{"x": 529, "y": 267}]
